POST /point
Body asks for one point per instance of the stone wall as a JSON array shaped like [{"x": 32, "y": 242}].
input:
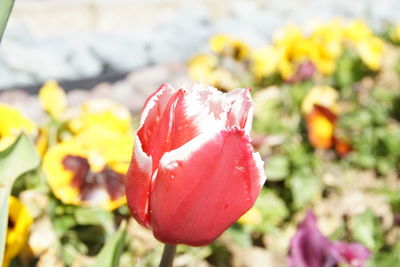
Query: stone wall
[{"x": 75, "y": 39}]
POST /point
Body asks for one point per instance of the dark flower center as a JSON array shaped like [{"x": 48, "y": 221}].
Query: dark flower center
[
  {"x": 11, "y": 223},
  {"x": 88, "y": 182}
]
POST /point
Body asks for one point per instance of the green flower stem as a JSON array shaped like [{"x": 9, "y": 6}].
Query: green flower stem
[
  {"x": 167, "y": 259},
  {"x": 5, "y": 10}
]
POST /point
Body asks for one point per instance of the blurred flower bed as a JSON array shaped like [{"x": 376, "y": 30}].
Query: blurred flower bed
[{"x": 327, "y": 111}]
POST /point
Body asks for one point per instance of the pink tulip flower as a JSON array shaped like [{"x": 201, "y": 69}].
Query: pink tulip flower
[{"x": 193, "y": 171}]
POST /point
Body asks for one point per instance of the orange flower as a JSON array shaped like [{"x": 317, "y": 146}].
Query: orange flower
[
  {"x": 320, "y": 126},
  {"x": 342, "y": 147}
]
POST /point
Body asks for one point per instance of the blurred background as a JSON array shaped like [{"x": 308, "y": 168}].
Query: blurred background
[{"x": 326, "y": 84}]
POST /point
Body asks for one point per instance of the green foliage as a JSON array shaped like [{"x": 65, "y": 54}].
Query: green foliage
[
  {"x": 5, "y": 10},
  {"x": 366, "y": 230},
  {"x": 17, "y": 159},
  {"x": 277, "y": 167},
  {"x": 273, "y": 210},
  {"x": 304, "y": 187},
  {"x": 111, "y": 252}
]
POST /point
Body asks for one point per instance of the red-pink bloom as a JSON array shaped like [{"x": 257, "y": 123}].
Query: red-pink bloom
[
  {"x": 193, "y": 171},
  {"x": 353, "y": 254}
]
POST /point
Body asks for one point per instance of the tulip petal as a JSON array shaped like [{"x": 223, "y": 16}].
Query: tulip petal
[
  {"x": 170, "y": 130},
  {"x": 205, "y": 186},
  {"x": 206, "y": 108},
  {"x": 137, "y": 184},
  {"x": 159, "y": 122},
  {"x": 152, "y": 113},
  {"x": 241, "y": 113}
]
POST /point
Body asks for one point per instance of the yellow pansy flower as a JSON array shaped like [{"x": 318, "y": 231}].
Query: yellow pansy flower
[
  {"x": 52, "y": 98},
  {"x": 332, "y": 31},
  {"x": 12, "y": 122},
  {"x": 371, "y": 52},
  {"x": 293, "y": 49},
  {"x": 357, "y": 31},
  {"x": 19, "y": 222},
  {"x": 320, "y": 127},
  {"x": 320, "y": 107},
  {"x": 368, "y": 46},
  {"x": 328, "y": 44},
  {"x": 42, "y": 142},
  {"x": 286, "y": 69},
  {"x": 225, "y": 45},
  {"x": 394, "y": 33},
  {"x": 288, "y": 36},
  {"x": 321, "y": 95},
  {"x": 88, "y": 169},
  {"x": 101, "y": 113},
  {"x": 202, "y": 66},
  {"x": 265, "y": 61}
]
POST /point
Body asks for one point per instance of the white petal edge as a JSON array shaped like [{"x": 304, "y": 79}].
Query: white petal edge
[
  {"x": 144, "y": 162},
  {"x": 260, "y": 167},
  {"x": 153, "y": 101},
  {"x": 170, "y": 159},
  {"x": 247, "y": 97},
  {"x": 199, "y": 109}
]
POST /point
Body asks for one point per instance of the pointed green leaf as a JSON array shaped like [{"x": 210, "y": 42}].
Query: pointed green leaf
[
  {"x": 5, "y": 10},
  {"x": 277, "y": 168},
  {"x": 17, "y": 159},
  {"x": 111, "y": 252}
]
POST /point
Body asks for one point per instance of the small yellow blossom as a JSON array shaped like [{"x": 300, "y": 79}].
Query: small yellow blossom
[
  {"x": 104, "y": 114},
  {"x": 52, "y": 98},
  {"x": 251, "y": 217},
  {"x": 19, "y": 222},
  {"x": 394, "y": 33},
  {"x": 322, "y": 95},
  {"x": 202, "y": 66},
  {"x": 320, "y": 127},
  {"x": 42, "y": 142},
  {"x": 368, "y": 46},
  {"x": 12, "y": 122},
  {"x": 371, "y": 52},
  {"x": 328, "y": 43},
  {"x": 320, "y": 108},
  {"x": 293, "y": 48},
  {"x": 357, "y": 31},
  {"x": 286, "y": 69},
  {"x": 225, "y": 45},
  {"x": 288, "y": 36},
  {"x": 265, "y": 61}
]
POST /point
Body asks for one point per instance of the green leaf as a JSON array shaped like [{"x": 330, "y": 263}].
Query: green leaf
[
  {"x": 239, "y": 236},
  {"x": 387, "y": 258},
  {"x": 366, "y": 229},
  {"x": 5, "y": 10},
  {"x": 304, "y": 187},
  {"x": 63, "y": 223},
  {"x": 273, "y": 209},
  {"x": 95, "y": 216},
  {"x": 277, "y": 168},
  {"x": 17, "y": 159},
  {"x": 111, "y": 252}
]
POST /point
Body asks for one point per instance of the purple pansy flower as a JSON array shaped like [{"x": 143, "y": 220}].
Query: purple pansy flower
[{"x": 309, "y": 248}]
